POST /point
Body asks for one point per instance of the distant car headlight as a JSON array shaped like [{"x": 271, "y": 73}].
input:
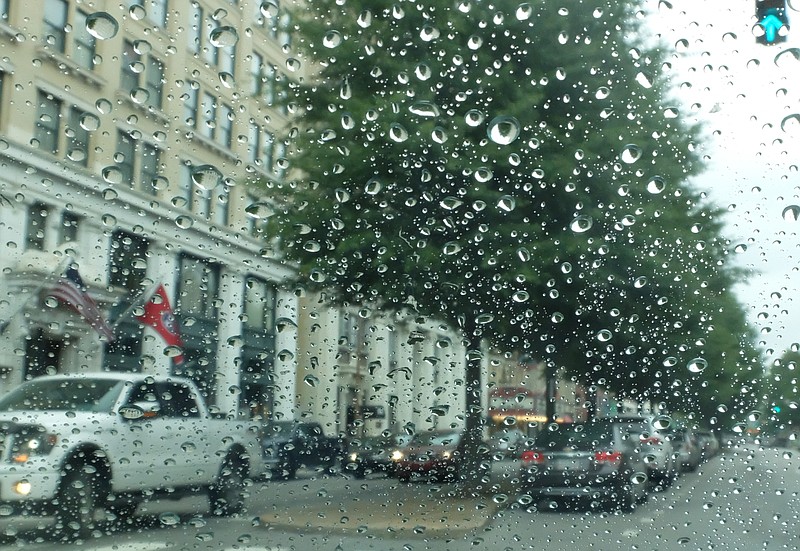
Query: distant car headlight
[
  {"x": 354, "y": 456},
  {"x": 397, "y": 455},
  {"x": 447, "y": 455},
  {"x": 31, "y": 441}
]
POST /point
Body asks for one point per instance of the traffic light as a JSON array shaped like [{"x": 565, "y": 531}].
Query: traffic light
[{"x": 772, "y": 22}]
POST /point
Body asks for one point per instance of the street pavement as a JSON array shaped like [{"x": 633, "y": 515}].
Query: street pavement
[
  {"x": 745, "y": 499},
  {"x": 396, "y": 507}
]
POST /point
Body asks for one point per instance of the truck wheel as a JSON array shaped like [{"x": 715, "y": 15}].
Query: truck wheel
[
  {"x": 77, "y": 503},
  {"x": 227, "y": 494},
  {"x": 122, "y": 508}
]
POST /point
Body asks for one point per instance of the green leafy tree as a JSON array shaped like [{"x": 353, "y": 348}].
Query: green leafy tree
[{"x": 518, "y": 171}]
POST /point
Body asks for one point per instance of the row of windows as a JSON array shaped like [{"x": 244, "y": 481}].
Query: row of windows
[
  {"x": 142, "y": 72},
  {"x": 199, "y": 279}
]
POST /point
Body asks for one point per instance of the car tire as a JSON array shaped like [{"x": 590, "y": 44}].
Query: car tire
[
  {"x": 77, "y": 503},
  {"x": 227, "y": 494},
  {"x": 122, "y": 508}
]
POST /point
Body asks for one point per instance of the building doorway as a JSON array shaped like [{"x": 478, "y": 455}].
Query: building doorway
[{"x": 43, "y": 355}]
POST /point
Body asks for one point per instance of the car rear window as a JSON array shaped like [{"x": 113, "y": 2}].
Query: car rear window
[{"x": 577, "y": 437}]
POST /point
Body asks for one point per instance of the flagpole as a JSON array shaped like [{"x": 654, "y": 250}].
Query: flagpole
[
  {"x": 45, "y": 281},
  {"x": 141, "y": 298}
]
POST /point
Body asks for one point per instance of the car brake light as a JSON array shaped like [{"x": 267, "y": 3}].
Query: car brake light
[
  {"x": 613, "y": 458},
  {"x": 532, "y": 457}
]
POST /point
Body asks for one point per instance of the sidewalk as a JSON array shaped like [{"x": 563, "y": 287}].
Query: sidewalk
[{"x": 402, "y": 509}]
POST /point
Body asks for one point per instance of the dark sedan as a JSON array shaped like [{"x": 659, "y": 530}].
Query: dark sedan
[
  {"x": 596, "y": 462},
  {"x": 436, "y": 455},
  {"x": 373, "y": 455}
]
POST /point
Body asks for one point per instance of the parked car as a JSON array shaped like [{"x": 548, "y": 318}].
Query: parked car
[
  {"x": 506, "y": 443},
  {"x": 289, "y": 445},
  {"x": 658, "y": 453},
  {"x": 689, "y": 452},
  {"x": 709, "y": 444},
  {"x": 597, "y": 462},
  {"x": 435, "y": 455},
  {"x": 373, "y": 454},
  {"x": 77, "y": 443}
]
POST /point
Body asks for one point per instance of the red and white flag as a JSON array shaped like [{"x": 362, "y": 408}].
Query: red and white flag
[
  {"x": 158, "y": 315},
  {"x": 71, "y": 291}
]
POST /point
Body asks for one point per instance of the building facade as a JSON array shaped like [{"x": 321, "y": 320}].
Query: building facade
[{"x": 139, "y": 140}]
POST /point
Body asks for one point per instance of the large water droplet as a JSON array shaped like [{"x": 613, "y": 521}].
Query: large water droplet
[
  {"x": 697, "y": 365},
  {"x": 101, "y": 25},
  {"x": 332, "y": 39},
  {"x": 506, "y": 203},
  {"x": 656, "y": 185},
  {"x": 630, "y": 153},
  {"x": 397, "y": 133},
  {"x": 206, "y": 177},
  {"x": 424, "y": 108},
  {"x": 581, "y": 223},
  {"x": 791, "y": 213},
  {"x": 503, "y": 130},
  {"x": 644, "y": 80},
  {"x": 224, "y": 36},
  {"x": 473, "y": 117}
]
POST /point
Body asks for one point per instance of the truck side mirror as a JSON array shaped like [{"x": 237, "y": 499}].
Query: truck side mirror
[{"x": 139, "y": 410}]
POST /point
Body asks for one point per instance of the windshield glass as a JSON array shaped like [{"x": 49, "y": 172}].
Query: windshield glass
[
  {"x": 303, "y": 225},
  {"x": 94, "y": 395}
]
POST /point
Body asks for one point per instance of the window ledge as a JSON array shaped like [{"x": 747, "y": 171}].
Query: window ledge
[
  {"x": 208, "y": 143},
  {"x": 155, "y": 112},
  {"x": 73, "y": 68}
]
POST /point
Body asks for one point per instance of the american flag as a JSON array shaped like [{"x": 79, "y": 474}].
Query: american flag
[{"x": 71, "y": 291}]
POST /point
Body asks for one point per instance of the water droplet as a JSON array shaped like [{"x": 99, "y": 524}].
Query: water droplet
[
  {"x": 484, "y": 319},
  {"x": 312, "y": 246},
  {"x": 227, "y": 80},
  {"x": 791, "y": 123},
  {"x": 581, "y": 223},
  {"x": 656, "y": 185},
  {"x": 224, "y": 36},
  {"x": 602, "y": 93},
  {"x": 630, "y": 154},
  {"x": 311, "y": 380},
  {"x": 206, "y": 177},
  {"x": 397, "y": 133},
  {"x": 503, "y": 130},
  {"x": 332, "y": 39},
  {"x": 103, "y": 106},
  {"x": 604, "y": 335},
  {"x": 439, "y": 135},
  {"x": 341, "y": 195},
  {"x": 662, "y": 422},
  {"x": 168, "y": 518},
  {"x": 483, "y": 174},
  {"x": 110, "y": 194},
  {"x": 791, "y": 213},
  {"x": 424, "y": 109},
  {"x": 697, "y": 365},
  {"x": 450, "y": 203},
  {"x": 269, "y": 9},
  {"x": 473, "y": 117},
  {"x": 788, "y": 59},
  {"x": 137, "y": 12},
  {"x": 521, "y": 296},
  {"x": 139, "y": 96},
  {"x": 524, "y": 12},
  {"x": 429, "y": 33},
  {"x": 373, "y": 186},
  {"x": 506, "y": 203},
  {"x": 644, "y": 80},
  {"x": 259, "y": 210},
  {"x": 451, "y": 248},
  {"x": 112, "y": 175},
  {"x": 184, "y": 222},
  {"x": 640, "y": 282},
  {"x": 102, "y": 25}
]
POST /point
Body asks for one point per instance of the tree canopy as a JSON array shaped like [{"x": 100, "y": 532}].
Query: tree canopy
[{"x": 519, "y": 170}]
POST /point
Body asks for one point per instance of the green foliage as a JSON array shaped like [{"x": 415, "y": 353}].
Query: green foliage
[{"x": 520, "y": 172}]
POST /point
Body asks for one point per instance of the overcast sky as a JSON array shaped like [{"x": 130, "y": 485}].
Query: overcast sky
[{"x": 744, "y": 91}]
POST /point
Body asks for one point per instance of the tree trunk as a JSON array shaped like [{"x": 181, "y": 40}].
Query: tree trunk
[{"x": 471, "y": 456}]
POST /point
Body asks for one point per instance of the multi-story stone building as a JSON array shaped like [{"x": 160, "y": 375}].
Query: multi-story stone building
[{"x": 140, "y": 138}]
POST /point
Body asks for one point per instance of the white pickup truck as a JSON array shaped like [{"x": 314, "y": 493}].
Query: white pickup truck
[{"x": 78, "y": 445}]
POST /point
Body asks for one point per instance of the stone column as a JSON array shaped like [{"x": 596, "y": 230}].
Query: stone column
[
  {"x": 375, "y": 379},
  {"x": 317, "y": 380},
  {"x": 402, "y": 378},
  {"x": 285, "y": 366},
  {"x": 227, "y": 381}
]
